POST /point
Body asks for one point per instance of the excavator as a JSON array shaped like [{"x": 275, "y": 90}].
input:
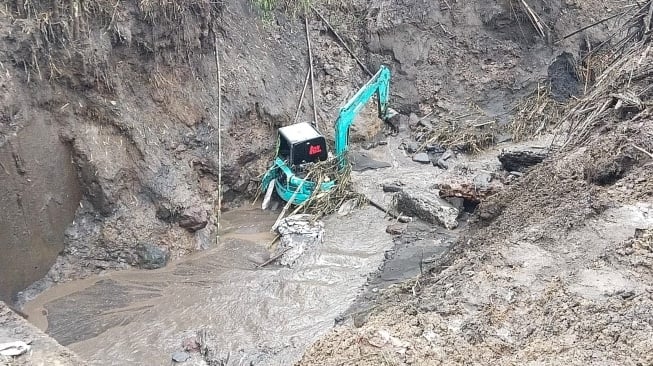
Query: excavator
[{"x": 300, "y": 145}]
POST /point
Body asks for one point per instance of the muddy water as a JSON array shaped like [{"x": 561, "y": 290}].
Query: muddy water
[{"x": 266, "y": 316}]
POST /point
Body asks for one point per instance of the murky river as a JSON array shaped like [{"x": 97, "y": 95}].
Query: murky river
[{"x": 263, "y": 316}]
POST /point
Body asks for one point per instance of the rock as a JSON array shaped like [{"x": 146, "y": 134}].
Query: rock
[
  {"x": 436, "y": 149},
  {"x": 191, "y": 344},
  {"x": 394, "y": 121},
  {"x": 411, "y": 147},
  {"x": 447, "y": 154},
  {"x": 565, "y": 82},
  {"x": 413, "y": 120},
  {"x": 361, "y": 162},
  {"x": 441, "y": 163},
  {"x": 520, "y": 161},
  {"x": 395, "y": 229},
  {"x": 298, "y": 234},
  {"x": 457, "y": 202},
  {"x": 422, "y": 158},
  {"x": 428, "y": 207},
  {"x": 193, "y": 219},
  {"x": 392, "y": 188},
  {"x": 151, "y": 257},
  {"x": 482, "y": 180},
  {"x": 180, "y": 356}
]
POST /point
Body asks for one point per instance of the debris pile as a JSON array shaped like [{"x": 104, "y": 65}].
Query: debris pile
[{"x": 298, "y": 234}]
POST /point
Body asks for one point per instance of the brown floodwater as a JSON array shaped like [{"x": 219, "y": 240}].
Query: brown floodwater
[{"x": 251, "y": 315}]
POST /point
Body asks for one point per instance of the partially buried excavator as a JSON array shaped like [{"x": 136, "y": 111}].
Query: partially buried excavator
[{"x": 300, "y": 145}]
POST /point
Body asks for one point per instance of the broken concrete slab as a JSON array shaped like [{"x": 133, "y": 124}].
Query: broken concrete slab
[{"x": 428, "y": 207}]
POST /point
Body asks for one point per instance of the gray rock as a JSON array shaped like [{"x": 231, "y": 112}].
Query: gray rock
[
  {"x": 395, "y": 229},
  {"x": 411, "y": 148},
  {"x": 482, "y": 180},
  {"x": 193, "y": 219},
  {"x": 422, "y": 158},
  {"x": 457, "y": 202},
  {"x": 428, "y": 207},
  {"x": 413, "y": 120},
  {"x": 180, "y": 356},
  {"x": 391, "y": 188},
  {"x": 361, "y": 162},
  {"x": 151, "y": 257},
  {"x": 441, "y": 163}
]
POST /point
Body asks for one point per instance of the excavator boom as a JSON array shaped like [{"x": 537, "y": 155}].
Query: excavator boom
[{"x": 378, "y": 85}]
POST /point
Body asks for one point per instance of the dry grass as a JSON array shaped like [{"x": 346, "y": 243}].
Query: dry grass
[
  {"x": 465, "y": 138},
  {"x": 325, "y": 203},
  {"x": 535, "y": 114},
  {"x": 624, "y": 89}
]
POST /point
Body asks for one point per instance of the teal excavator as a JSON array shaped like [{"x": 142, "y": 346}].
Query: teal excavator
[{"x": 300, "y": 145}]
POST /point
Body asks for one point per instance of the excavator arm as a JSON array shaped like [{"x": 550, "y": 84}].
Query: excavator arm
[{"x": 379, "y": 84}]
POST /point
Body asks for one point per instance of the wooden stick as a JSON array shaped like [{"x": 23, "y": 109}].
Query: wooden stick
[
  {"x": 301, "y": 97},
  {"x": 642, "y": 150},
  {"x": 273, "y": 258},
  {"x": 217, "y": 63},
  {"x": 384, "y": 210},
  {"x": 588, "y": 27},
  {"x": 285, "y": 208},
  {"x": 534, "y": 19},
  {"x": 310, "y": 64},
  {"x": 342, "y": 42}
]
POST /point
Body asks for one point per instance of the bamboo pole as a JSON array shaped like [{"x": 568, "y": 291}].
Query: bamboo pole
[
  {"x": 310, "y": 64},
  {"x": 301, "y": 97},
  {"x": 217, "y": 64},
  {"x": 360, "y": 63}
]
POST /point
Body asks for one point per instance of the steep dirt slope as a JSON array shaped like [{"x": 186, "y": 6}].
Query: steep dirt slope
[{"x": 131, "y": 88}]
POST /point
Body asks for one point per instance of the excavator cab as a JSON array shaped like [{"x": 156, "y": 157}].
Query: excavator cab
[{"x": 301, "y": 143}]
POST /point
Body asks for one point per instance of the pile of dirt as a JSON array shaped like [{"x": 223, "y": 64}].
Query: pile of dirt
[{"x": 556, "y": 269}]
